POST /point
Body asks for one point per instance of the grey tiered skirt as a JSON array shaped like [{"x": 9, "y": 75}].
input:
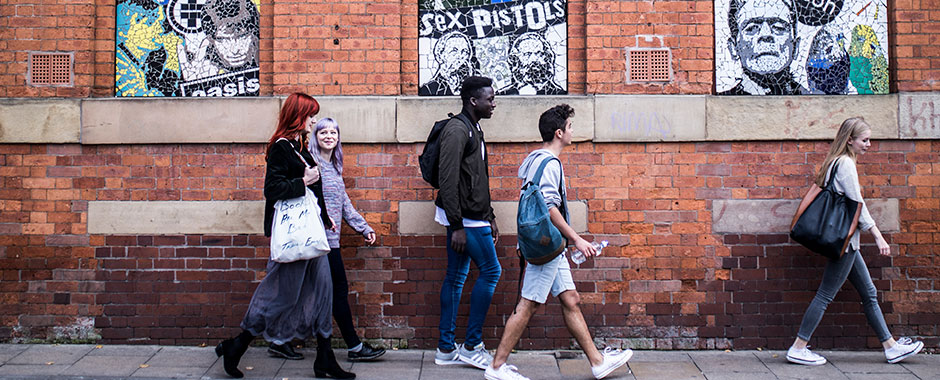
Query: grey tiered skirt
[{"x": 295, "y": 300}]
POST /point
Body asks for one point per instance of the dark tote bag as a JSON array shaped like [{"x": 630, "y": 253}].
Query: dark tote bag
[{"x": 825, "y": 220}]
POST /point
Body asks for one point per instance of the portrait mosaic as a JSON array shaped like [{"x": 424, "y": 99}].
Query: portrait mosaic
[
  {"x": 521, "y": 44},
  {"x": 797, "y": 47},
  {"x": 187, "y": 48}
]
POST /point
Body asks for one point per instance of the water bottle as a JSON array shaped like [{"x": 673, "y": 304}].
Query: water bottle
[{"x": 578, "y": 257}]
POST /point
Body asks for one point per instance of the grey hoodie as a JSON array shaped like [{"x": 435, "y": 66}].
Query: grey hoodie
[{"x": 551, "y": 176}]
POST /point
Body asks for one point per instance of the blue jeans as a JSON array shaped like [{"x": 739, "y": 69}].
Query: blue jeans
[
  {"x": 482, "y": 252},
  {"x": 850, "y": 266}
]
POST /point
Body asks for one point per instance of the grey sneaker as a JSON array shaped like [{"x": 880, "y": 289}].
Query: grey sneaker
[
  {"x": 477, "y": 357},
  {"x": 446, "y": 358}
]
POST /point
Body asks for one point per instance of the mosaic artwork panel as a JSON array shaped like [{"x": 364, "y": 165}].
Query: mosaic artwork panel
[
  {"x": 522, "y": 45},
  {"x": 799, "y": 47},
  {"x": 187, "y": 48}
]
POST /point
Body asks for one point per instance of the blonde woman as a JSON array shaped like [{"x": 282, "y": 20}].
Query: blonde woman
[{"x": 852, "y": 140}]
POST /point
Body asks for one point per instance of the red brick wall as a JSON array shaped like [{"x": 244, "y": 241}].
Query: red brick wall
[
  {"x": 370, "y": 48},
  {"x": 671, "y": 280}
]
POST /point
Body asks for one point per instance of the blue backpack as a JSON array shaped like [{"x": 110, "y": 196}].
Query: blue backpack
[{"x": 539, "y": 239}]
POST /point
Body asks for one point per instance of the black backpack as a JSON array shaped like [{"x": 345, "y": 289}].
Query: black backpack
[{"x": 430, "y": 157}]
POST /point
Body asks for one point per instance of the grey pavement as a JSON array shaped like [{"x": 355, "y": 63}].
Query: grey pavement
[{"x": 52, "y": 361}]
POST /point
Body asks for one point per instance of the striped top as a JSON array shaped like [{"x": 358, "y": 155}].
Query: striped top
[{"x": 338, "y": 204}]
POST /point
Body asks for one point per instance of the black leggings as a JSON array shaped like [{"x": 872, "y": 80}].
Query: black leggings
[{"x": 341, "y": 311}]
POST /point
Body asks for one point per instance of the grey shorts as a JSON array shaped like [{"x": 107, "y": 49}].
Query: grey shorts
[{"x": 553, "y": 276}]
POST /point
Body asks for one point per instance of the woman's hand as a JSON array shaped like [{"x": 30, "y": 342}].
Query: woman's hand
[
  {"x": 370, "y": 238},
  {"x": 335, "y": 227},
  {"x": 311, "y": 175},
  {"x": 883, "y": 248}
]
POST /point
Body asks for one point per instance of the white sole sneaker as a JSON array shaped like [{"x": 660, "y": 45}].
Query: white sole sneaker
[
  {"x": 917, "y": 347},
  {"x": 805, "y": 362}
]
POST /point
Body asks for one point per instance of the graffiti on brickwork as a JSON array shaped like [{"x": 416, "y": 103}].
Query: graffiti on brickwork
[
  {"x": 920, "y": 116},
  {"x": 522, "y": 45},
  {"x": 187, "y": 48},
  {"x": 651, "y": 124},
  {"x": 797, "y": 47}
]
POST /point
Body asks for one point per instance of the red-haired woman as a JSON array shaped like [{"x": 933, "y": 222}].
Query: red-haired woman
[{"x": 294, "y": 299}]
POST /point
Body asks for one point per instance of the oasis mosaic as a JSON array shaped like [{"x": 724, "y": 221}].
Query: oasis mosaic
[{"x": 187, "y": 48}]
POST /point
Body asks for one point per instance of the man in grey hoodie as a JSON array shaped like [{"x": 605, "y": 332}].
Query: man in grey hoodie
[{"x": 555, "y": 276}]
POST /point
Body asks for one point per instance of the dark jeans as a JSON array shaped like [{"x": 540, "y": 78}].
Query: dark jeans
[
  {"x": 850, "y": 266},
  {"x": 482, "y": 252},
  {"x": 341, "y": 311}
]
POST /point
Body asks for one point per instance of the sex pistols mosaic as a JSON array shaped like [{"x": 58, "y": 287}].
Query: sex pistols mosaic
[
  {"x": 521, "y": 44},
  {"x": 187, "y": 48},
  {"x": 795, "y": 47}
]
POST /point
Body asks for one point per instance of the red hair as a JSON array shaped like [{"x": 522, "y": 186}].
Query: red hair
[{"x": 292, "y": 120}]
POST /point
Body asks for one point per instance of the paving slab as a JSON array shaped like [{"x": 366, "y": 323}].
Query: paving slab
[
  {"x": 431, "y": 371},
  {"x": 117, "y": 366},
  {"x": 740, "y": 376},
  {"x": 923, "y": 366},
  {"x": 256, "y": 363},
  {"x": 10, "y": 351},
  {"x": 734, "y": 361},
  {"x": 31, "y": 370},
  {"x": 404, "y": 364},
  {"x": 537, "y": 365},
  {"x": 683, "y": 370},
  {"x": 580, "y": 369},
  {"x": 183, "y": 357},
  {"x": 123, "y": 350},
  {"x": 170, "y": 372},
  {"x": 776, "y": 361},
  {"x": 880, "y": 376},
  {"x": 864, "y": 362},
  {"x": 54, "y": 353}
]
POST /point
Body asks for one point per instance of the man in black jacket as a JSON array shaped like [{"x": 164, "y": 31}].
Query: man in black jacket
[{"x": 463, "y": 206}]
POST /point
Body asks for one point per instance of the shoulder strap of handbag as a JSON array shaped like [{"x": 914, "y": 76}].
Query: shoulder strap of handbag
[
  {"x": 302, "y": 160},
  {"x": 832, "y": 172}
]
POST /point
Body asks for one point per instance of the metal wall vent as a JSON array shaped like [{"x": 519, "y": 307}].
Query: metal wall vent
[{"x": 50, "y": 69}]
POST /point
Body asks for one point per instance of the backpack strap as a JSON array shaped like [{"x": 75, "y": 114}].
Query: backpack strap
[
  {"x": 470, "y": 128},
  {"x": 561, "y": 185}
]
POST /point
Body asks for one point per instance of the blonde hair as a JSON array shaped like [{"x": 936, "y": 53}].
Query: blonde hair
[{"x": 850, "y": 129}]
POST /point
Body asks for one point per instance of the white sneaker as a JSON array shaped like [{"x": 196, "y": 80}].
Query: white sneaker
[
  {"x": 613, "y": 359},
  {"x": 505, "y": 372},
  {"x": 804, "y": 356},
  {"x": 904, "y": 349},
  {"x": 478, "y": 357},
  {"x": 446, "y": 358}
]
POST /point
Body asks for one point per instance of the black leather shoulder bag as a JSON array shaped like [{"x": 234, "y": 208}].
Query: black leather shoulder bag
[{"x": 825, "y": 220}]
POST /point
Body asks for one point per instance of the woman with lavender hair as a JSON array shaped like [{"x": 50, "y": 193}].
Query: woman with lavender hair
[{"x": 329, "y": 153}]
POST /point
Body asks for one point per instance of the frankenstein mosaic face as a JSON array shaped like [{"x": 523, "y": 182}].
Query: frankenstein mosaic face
[{"x": 765, "y": 40}]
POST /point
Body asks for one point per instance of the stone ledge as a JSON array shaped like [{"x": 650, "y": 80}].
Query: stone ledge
[
  {"x": 407, "y": 119},
  {"x": 175, "y": 217},
  {"x": 797, "y": 117},
  {"x": 417, "y": 218},
  {"x": 39, "y": 121},
  {"x": 516, "y": 118},
  {"x": 742, "y": 216},
  {"x": 178, "y": 121}
]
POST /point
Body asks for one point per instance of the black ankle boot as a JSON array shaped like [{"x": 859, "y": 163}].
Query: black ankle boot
[
  {"x": 232, "y": 350},
  {"x": 325, "y": 366}
]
